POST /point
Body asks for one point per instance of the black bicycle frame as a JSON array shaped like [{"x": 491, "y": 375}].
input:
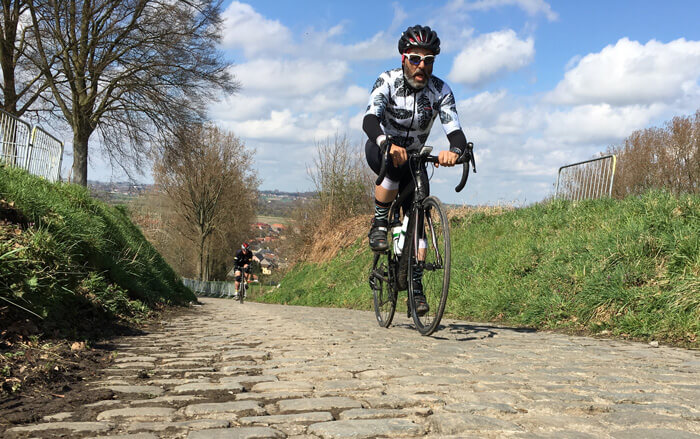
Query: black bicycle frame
[{"x": 420, "y": 191}]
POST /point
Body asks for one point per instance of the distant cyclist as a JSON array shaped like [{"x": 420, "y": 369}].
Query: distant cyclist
[
  {"x": 241, "y": 263},
  {"x": 403, "y": 106}
]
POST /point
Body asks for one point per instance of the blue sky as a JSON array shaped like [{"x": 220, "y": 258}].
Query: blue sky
[{"x": 538, "y": 84}]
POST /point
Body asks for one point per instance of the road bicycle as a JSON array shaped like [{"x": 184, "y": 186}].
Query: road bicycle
[
  {"x": 243, "y": 285},
  {"x": 426, "y": 248}
]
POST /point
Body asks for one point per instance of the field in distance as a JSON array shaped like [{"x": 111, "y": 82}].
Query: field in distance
[{"x": 273, "y": 220}]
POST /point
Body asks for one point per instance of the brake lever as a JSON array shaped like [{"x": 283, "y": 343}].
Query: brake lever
[{"x": 465, "y": 159}]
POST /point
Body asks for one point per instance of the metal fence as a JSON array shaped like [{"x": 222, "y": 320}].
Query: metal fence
[
  {"x": 210, "y": 288},
  {"x": 589, "y": 179},
  {"x": 29, "y": 148}
]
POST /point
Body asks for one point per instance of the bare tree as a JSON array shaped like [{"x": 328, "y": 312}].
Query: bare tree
[
  {"x": 667, "y": 157},
  {"x": 131, "y": 69},
  {"x": 341, "y": 177},
  {"x": 344, "y": 189},
  {"x": 22, "y": 84},
  {"x": 207, "y": 175}
]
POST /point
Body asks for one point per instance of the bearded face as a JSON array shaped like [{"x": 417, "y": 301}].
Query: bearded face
[{"x": 418, "y": 75}]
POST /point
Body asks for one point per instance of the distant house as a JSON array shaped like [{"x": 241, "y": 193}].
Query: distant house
[
  {"x": 279, "y": 228},
  {"x": 267, "y": 266}
]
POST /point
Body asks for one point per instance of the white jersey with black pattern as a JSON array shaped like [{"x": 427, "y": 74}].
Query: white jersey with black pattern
[{"x": 406, "y": 114}]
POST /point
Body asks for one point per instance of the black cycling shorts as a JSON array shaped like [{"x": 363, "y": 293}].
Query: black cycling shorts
[{"x": 402, "y": 174}]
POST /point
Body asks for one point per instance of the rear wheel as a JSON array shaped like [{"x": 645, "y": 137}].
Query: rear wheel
[
  {"x": 384, "y": 297},
  {"x": 434, "y": 271}
]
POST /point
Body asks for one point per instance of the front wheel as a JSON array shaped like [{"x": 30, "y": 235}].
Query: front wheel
[
  {"x": 429, "y": 268},
  {"x": 382, "y": 288},
  {"x": 243, "y": 286}
]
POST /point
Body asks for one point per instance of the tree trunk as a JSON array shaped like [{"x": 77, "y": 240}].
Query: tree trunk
[
  {"x": 207, "y": 272},
  {"x": 7, "y": 61},
  {"x": 80, "y": 155},
  {"x": 200, "y": 264},
  {"x": 8, "y": 88}
]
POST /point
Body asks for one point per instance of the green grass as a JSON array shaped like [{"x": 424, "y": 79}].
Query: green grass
[
  {"x": 627, "y": 268},
  {"x": 71, "y": 261}
]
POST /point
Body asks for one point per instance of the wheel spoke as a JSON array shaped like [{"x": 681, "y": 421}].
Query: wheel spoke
[{"x": 384, "y": 300}]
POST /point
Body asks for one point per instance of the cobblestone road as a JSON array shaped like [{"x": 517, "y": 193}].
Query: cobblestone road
[{"x": 227, "y": 370}]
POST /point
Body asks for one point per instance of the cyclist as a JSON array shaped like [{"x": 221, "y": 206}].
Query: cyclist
[
  {"x": 241, "y": 263},
  {"x": 403, "y": 105}
]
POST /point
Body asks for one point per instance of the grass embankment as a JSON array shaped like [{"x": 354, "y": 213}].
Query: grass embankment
[
  {"x": 627, "y": 268},
  {"x": 71, "y": 264}
]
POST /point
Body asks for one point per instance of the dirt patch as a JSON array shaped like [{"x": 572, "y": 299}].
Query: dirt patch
[
  {"x": 41, "y": 376},
  {"x": 49, "y": 379}
]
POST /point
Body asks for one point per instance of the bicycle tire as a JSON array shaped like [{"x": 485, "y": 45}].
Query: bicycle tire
[
  {"x": 241, "y": 291},
  {"x": 436, "y": 267},
  {"x": 381, "y": 285}
]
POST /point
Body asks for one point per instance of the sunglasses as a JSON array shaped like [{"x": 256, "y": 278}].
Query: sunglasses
[{"x": 415, "y": 59}]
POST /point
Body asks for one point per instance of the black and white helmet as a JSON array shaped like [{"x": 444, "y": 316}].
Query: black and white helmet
[{"x": 419, "y": 36}]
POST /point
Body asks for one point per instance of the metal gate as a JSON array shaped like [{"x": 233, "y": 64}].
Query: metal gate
[
  {"x": 210, "y": 288},
  {"x": 589, "y": 179},
  {"x": 29, "y": 148},
  {"x": 15, "y": 135}
]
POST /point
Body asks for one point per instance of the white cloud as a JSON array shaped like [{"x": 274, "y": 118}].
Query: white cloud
[
  {"x": 289, "y": 77},
  {"x": 532, "y": 7},
  {"x": 240, "y": 107},
  {"x": 600, "y": 123},
  {"x": 337, "y": 98},
  {"x": 280, "y": 125},
  {"x": 399, "y": 16},
  {"x": 499, "y": 112},
  {"x": 491, "y": 54},
  {"x": 379, "y": 46},
  {"x": 246, "y": 29},
  {"x": 451, "y": 22},
  {"x": 483, "y": 108},
  {"x": 630, "y": 73},
  {"x": 288, "y": 127}
]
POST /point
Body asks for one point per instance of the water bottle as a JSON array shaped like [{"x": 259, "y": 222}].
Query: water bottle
[
  {"x": 400, "y": 237},
  {"x": 395, "y": 236}
]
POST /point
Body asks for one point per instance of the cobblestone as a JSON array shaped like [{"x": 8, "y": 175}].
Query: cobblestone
[
  {"x": 237, "y": 433},
  {"x": 366, "y": 428},
  {"x": 239, "y": 408},
  {"x": 139, "y": 414},
  {"x": 227, "y": 370}
]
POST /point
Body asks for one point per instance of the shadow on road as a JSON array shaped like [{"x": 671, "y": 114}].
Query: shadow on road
[{"x": 464, "y": 332}]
